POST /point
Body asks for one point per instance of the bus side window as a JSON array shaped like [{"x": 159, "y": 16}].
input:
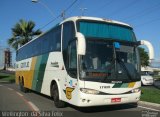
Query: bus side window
[
  {"x": 68, "y": 35},
  {"x": 58, "y": 39},
  {"x": 72, "y": 59}
]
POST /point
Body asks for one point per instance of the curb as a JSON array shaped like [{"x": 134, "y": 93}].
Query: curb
[
  {"x": 5, "y": 82},
  {"x": 149, "y": 104},
  {"x": 7, "y": 72}
]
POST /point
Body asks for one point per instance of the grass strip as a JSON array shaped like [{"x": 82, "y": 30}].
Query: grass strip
[
  {"x": 150, "y": 94},
  {"x": 7, "y": 77}
]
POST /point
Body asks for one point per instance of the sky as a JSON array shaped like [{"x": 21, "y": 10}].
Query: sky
[{"x": 142, "y": 15}]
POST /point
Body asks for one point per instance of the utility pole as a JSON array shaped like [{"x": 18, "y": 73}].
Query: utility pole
[
  {"x": 82, "y": 11},
  {"x": 63, "y": 15}
]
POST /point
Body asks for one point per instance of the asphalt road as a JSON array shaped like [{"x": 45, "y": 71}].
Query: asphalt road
[{"x": 12, "y": 100}]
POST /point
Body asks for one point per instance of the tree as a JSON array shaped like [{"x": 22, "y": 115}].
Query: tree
[
  {"x": 144, "y": 57},
  {"x": 22, "y": 33}
]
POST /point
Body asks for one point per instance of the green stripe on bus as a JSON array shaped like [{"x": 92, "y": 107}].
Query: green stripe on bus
[
  {"x": 124, "y": 85},
  {"x": 117, "y": 85},
  {"x": 39, "y": 72},
  {"x": 42, "y": 68},
  {"x": 36, "y": 71}
]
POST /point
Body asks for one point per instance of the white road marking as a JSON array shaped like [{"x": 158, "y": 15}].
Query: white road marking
[
  {"x": 19, "y": 93},
  {"x": 33, "y": 106},
  {"x": 148, "y": 108},
  {"x": 10, "y": 89}
]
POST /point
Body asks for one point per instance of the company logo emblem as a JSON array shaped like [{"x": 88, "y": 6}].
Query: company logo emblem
[{"x": 68, "y": 92}]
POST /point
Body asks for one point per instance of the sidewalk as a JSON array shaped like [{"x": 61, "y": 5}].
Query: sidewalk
[
  {"x": 3, "y": 81},
  {"x": 150, "y": 105}
]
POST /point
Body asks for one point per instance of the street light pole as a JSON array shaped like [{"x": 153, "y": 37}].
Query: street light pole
[{"x": 44, "y": 5}]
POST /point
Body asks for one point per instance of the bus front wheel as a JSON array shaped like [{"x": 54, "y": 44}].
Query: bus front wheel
[{"x": 58, "y": 103}]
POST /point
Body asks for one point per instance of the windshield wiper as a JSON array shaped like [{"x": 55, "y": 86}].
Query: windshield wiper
[
  {"x": 114, "y": 62},
  {"x": 110, "y": 67},
  {"x": 125, "y": 68}
]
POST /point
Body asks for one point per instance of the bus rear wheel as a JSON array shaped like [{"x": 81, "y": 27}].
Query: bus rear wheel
[
  {"x": 58, "y": 103},
  {"x": 21, "y": 86}
]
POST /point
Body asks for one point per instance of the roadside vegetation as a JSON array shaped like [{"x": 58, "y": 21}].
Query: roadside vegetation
[
  {"x": 7, "y": 77},
  {"x": 23, "y": 32},
  {"x": 150, "y": 94},
  {"x": 144, "y": 57}
]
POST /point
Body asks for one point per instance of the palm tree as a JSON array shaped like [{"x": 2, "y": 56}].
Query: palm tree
[{"x": 22, "y": 33}]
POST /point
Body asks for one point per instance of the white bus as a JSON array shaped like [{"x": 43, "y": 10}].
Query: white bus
[{"x": 83, "y": 61}]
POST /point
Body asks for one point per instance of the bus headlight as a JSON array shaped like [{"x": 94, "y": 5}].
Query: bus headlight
[
  {"x": 135, "y": 90},
  {"x": 89, "y": 91}
]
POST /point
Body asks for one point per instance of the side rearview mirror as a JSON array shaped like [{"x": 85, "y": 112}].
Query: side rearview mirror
[
  {"x": 81, "y": 43},
  {"x": 150, "y": 48}
]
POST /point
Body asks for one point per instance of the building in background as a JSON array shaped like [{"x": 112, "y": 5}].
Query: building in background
[
  {"x": 7, "y": 58},
  {"x": 1, "y": 59},
  {"x": 155, "y": 63}
]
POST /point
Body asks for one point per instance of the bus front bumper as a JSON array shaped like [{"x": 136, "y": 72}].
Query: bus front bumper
[{"x": 98, "y": 100}]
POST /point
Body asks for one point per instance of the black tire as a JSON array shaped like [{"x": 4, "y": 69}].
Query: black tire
[
  {"x": 58, "y": 103},
  {"x": 142, "y": 83},
  {"x": 22, "y": 88}
]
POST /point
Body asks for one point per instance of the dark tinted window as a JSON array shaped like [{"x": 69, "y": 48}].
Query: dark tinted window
[
  {"x": 50, "y": 41},
  {"x": 68, "y": 35},
  {"x": 72, "y": 50}
]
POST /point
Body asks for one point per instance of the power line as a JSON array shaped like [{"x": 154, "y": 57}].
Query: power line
[
  {"x": 101, "y": 7},
  {"x": 123, "y": 8},
  {"x": 151, "y": 21},
  {"x": 50, "y": 22},
  {"x": 142, "y": 13},
  {"x": 70, "y": 5},
  {"x": 77, "y": 6},
  {"x": 60, "y": 15}
]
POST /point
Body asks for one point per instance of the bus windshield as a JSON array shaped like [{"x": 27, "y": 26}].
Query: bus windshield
[{"x": 104, "y": 63}]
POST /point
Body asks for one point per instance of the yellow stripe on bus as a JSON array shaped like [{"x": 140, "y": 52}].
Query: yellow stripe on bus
[
  {"x": 31, "y": 74},
  {"x": 27, "y": 75},
  {"x": 131, "y": 85}
]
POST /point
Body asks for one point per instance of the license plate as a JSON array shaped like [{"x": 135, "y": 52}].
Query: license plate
[{"x": 115, "y": 100}]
